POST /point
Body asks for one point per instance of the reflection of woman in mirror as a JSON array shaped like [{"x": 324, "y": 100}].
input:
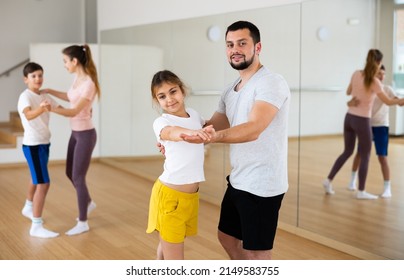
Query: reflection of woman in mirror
[
  {"x": 364, "y": 87},
  {"x": 380, "y": 130},
  {"x": 81, "y": 95}
]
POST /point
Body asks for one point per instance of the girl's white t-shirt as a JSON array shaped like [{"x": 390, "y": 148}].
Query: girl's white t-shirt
[{"x": 183, "y": 161}]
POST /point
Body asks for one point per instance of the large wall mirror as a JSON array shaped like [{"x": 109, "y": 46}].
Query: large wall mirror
[
  {"x": 187, "y": 48},
  {"x": 315, "y": 45}
]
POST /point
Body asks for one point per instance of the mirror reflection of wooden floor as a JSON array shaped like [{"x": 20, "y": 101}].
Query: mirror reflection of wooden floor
[
  {"x": 375, "y": 226},
  {"x": 117, "y": 224}
]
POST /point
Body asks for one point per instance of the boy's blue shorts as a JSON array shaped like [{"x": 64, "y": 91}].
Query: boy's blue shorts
[
  {"x": 37, "y": 158},
  {"x": 381, "y": 139}
]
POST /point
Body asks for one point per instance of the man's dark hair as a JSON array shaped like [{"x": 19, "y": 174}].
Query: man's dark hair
[{"x": 254, "y": 31}]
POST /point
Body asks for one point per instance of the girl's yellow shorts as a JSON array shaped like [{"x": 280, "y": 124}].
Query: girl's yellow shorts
[{"x": 172, "y": 213}]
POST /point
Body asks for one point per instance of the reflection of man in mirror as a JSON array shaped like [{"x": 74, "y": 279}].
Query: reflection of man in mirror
[{"x": 253, "y": 118}]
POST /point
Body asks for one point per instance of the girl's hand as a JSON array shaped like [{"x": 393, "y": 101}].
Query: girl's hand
[
  {"x": 161, "y": 148},
  {"x": 210, "y": 131}
]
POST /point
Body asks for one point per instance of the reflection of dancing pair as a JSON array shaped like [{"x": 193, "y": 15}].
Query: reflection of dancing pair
[{"x": 364, "y": 88}]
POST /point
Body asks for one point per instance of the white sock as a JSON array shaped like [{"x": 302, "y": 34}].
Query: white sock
[
  {"x": 37, "y": 229},
  {"x": 352, "y": 184},
  {"x": 27, "y": 209},
  {"x": 365, "y": 195},
  {"x": 28, "y": 202},
  {"x": 387, "y": 189},
  {"x": 91, "y": 207},
  {"x": 328, "y": 187},
  {"x": 79, "y": 228}
]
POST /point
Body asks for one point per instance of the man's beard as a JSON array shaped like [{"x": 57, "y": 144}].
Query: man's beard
[{"x": 243, "y": 65}]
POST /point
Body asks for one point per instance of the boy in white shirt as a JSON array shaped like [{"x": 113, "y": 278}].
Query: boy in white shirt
[{"x": 34, "y": 108}]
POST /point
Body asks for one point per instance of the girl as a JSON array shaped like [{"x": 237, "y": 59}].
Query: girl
[
  {"x": 174, "y": 200},
  {"x": 364, "y": 87},
  {"x": 81, "y": 95}
]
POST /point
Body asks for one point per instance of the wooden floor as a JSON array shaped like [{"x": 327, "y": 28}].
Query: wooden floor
[
  {"x": 365, "y": 229},
  {"x": 117, "y": 224}
]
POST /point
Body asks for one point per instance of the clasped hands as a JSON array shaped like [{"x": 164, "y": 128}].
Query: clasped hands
[
  {"x": 205, "y": 135},
  {"x": 45, "y": 105}
]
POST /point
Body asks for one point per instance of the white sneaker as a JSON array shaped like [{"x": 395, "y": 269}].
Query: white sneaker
[
  {"x": 365, "y": 195},
  {"x": 40, "y": 231},
  {"x": 386, "y": 193},
  {"x": 328, "y": 187},
  {"x": 352, "y": 187},
  {"x": 79, "y": 228}
]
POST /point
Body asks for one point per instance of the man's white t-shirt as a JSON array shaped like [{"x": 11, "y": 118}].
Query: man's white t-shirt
[{"x": 259, "y": 167}]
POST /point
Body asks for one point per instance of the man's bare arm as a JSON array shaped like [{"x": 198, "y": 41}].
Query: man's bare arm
[{"x": 260, "y": 118}]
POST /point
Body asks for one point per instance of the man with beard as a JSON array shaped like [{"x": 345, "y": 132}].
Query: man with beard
[{"x": 253, "y": 118}]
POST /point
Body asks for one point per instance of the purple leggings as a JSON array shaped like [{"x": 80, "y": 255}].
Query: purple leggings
[
  {"x": 80, "y": 148},
  {"x": 355, "y": 126}
]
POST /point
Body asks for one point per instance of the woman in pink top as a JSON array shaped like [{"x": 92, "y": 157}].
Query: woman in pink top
[
  {"x": 364, "y": 87},
  {"x": 81, "y": 95}
]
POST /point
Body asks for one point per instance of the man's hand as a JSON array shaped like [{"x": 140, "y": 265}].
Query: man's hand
[{"x": 197, "y": 139}]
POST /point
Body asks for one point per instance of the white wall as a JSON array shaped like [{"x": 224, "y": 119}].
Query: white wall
[
  {"x": 385, "y": 36},
  {"x": 126, "y": 105},
  {"x": 329, "y": 64},
  {"x": 124, "y": 13}
]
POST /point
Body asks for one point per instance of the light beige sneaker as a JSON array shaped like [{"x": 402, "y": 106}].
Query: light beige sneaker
[{"x": 328, "y": 187}]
